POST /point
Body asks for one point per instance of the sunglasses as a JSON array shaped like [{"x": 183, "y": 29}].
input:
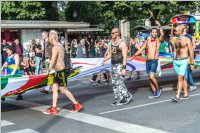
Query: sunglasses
[{"x": 114, "y": 33}]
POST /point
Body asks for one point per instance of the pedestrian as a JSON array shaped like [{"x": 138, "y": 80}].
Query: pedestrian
[
  {"x": 118, "y": 54},
  {"x": 74, "y": 45},
  {"x": 189, "y": 77},
  {"x": 152, "y": 45},
  {"x": 182, "y": 46},
  {"x": 81, "y": 50},
  {"x": 31, "y": 51},
  {"x": 163, "y": 48},
  {"x": 134, "y": 47},
  {"x": 18, "y": 48},
  {"x": 48, "y": 55},
  {"x": 12, "y": 61},
  {"x": 32, "y": 65},
  {"x": 92, "y": 48},
  {"x": 26, "y": 66},
  {"x": 60, "y": 78},
  {"x": 3, "y": 50},
  {"x": 38, "y": 56},
  {"x": 103, "y": 50}
]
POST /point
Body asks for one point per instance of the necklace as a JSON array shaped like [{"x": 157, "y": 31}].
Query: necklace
[{"x": 116, "y": 43}]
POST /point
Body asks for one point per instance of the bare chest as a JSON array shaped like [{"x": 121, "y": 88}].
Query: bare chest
[{"x": 180, "y": 44}]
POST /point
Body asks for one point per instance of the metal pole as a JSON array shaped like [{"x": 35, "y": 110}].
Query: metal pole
[{"x": 125, "y": 29}]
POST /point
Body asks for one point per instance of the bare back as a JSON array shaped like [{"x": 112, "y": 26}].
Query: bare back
[{"x": 181, "y": 47}]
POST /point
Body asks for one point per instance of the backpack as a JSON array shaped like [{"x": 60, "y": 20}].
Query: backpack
[{"x": 68, "y": 63}]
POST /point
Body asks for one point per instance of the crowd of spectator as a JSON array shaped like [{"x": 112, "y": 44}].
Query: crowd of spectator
[{"x": 32, "y": 61}]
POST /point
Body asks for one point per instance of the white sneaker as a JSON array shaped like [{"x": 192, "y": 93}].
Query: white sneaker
[
  {"x": 92, "y": 81},
  {"x": 193, "y": 88}
]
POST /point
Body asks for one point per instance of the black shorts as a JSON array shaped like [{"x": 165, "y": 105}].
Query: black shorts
[
  {"x": 60, "y": 78},
  {"x": 27, "y": 70}
]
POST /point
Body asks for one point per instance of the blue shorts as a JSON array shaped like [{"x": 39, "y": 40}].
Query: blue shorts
[
  {"x": 151, "y": 66},
  {"x": 181, "y": 66}
]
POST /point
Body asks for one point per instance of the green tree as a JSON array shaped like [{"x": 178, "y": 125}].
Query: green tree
[
  {"x": 87, "y": 11},
  {"x": 27, "y": 10}
]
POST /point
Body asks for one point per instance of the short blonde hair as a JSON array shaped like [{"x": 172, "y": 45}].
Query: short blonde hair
[{"x": 54, "y": 33}]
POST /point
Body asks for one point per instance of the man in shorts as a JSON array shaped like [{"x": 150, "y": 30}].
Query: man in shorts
[
  {"x": 60, "y": 78},
  {"x": 181, "y": 48},
  {"x": 152, "y": 45}
]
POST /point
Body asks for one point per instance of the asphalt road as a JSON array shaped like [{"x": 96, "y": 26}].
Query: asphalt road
[{"x": 143, "y": 115}]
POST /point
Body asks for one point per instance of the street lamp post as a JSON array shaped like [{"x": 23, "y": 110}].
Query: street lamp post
[{"x": 75, "y": 14}]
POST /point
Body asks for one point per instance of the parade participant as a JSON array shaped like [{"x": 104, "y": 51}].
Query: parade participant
[
  {"x": 47, "y": 55},
  {"x": 118, "y": 54},
  {"x": 134, "y": 46},
  {"x": 182, "y": 46},
  {"x": 12, "y": 65},
  {"x": 96, "y": 79},
  {"x": 60, "y": 78},
  {"x": 12, "y": 61},
  {"x": 152, "y": 45},
  {"x": 189, "y": 73}
]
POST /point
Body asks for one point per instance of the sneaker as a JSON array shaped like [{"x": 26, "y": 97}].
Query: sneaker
[
  {"x": 106, "y": 83},
  {"x": 92, "y": 81},
  {"x": 129, "y": 99},
  {"x": 114, "y": 103},
  {"x": 185, "y": 97},
  {"x": 19, "y": 97},
  {"x": 119, "y": 103},
  {"x": 158, "y": 92},
  {"x": 44, "y": 92},
  {"x": 154, "y": 95},
  {"x": 51, "y": 111},
  {"x": 95, "y": 84},
  {"x": 175, "y": 99},
  {"x": 128, "y": 79},
  {"x": 76, "y": 108},
  {"x": 122, "y": 102},
  {"x": 193, "y": 88}
]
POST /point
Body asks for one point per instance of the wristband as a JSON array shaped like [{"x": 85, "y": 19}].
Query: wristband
[{"x": 124, "y": 67}]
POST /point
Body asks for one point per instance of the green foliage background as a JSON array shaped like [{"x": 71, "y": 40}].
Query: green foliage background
[{"x": 105, "y": 14}]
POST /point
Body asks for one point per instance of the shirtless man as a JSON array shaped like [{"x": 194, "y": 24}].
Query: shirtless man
[
  {"x": 60, "y": 78},
  {"x": 152, "y": 45},
  {"x": 181, "y": 48},
  {"x": 118, "y": 54}
]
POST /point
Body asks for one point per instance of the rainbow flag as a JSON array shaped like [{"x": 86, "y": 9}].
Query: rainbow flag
[{"x": 13, "y": 85}]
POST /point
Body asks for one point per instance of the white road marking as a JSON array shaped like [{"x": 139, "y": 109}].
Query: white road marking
[
  {"x": 6, "y": 123},
  {"x": 91, "y": 119},
  {"x": 24, "y": 131},
  {"x": 142, "y": 105}
]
